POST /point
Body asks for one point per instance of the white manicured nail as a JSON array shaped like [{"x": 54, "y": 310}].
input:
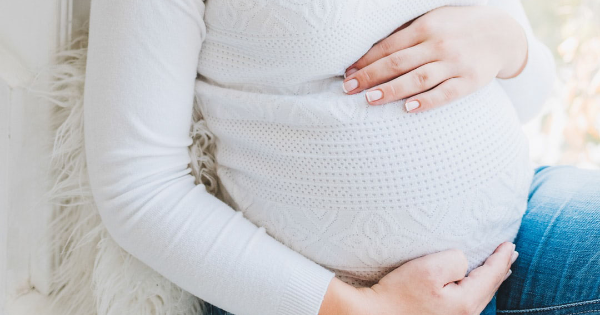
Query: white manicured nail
[
  {"x": 350, "y": 72},
  {"x": 350, "y": 85},
  {"x": 374, "y": 95},
  {"x": 514, "y": 257},
  {"x": 410, "y": 106},
  {"x": 507, "y": 274}
]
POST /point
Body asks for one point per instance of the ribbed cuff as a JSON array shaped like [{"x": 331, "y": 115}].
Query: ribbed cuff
[{"x": 305, "y": 289}]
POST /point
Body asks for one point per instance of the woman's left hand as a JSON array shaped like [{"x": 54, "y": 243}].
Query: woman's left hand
[{"x": 441, "y": 56}]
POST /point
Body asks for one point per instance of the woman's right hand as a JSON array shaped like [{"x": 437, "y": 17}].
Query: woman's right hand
[{"x": 430, "y": 285}]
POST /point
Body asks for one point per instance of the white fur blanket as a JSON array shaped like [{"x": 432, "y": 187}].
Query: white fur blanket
[{"x": 91, "y": 273}]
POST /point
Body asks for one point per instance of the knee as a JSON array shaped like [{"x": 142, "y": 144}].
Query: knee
[
  {"x": 564, "y": 206},
  {"x": 566, "y": 187},
  {"x": 558, "y": 241},
  {"x": 561, "y": 227}
]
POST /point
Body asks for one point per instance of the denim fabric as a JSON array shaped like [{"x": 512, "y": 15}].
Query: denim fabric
[
  {"x": 213, "y": 310},
  {"x": 490, "y": 309},
  {"x": 558, "y": 269}
]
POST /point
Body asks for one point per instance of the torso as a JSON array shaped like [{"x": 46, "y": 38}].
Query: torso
[{"x": 359, "y": 189}]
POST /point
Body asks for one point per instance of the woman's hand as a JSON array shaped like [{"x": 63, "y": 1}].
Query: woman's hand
[
  {"x": 443, "y": 55},
  {"x": 431, "y": 285}
]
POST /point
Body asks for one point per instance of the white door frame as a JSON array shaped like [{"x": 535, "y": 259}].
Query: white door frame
[{"x": 31, "y": 31}]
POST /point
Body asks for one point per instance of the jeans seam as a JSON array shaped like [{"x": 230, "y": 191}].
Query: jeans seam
[{"x": 552, "y": 308}]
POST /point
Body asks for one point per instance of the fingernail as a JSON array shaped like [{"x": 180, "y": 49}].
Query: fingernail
[
  {"x": 374, "y": 95},
  {"x": 350, "y": 72},
  {"x": 350, "y": 85},
  {"x": 410, "y": 106},
  {"x": 514, "y": 257},
  {"x": 507, "y": 274}
]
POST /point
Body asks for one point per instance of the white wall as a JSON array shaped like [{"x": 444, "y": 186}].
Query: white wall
[{"x": 30, "y": 33}]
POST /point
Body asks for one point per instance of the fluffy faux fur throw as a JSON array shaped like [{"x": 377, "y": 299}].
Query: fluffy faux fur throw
[{"x": 91, "y": 273}]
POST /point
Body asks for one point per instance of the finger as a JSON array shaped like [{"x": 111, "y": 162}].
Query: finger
[
  {"x": 482, "y": 282},
  {"x": 402, "y": 39},
  {"x": 514, "y": 257},
  {"x": 412, "y": 83},
  {"x": 441, "y": 268},
  {"x": 403, "y": 26},
  {"x": 388, "y": 68},
  {"x": 446, "y": 92}
]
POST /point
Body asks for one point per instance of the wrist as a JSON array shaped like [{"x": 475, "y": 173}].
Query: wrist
[
  {"x": 342, "y": 299},
  {"x": 516, "y": 52}
]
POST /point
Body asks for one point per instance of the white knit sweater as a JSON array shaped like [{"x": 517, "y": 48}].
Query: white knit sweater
[{"x": 326, "y": 185}]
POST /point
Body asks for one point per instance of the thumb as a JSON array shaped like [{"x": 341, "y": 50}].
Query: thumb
[
  {"x": 441, "y": 268},
  {"x": 485, "y": 280}
]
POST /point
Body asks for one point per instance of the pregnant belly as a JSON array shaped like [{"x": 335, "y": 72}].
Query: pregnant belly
[{"x": 362, "y": 189}]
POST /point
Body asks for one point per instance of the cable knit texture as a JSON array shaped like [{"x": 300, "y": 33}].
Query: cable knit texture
[{"x": 324, "y": 185}]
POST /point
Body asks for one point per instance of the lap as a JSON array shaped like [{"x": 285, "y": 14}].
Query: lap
[{"x": 558, "y": 270}]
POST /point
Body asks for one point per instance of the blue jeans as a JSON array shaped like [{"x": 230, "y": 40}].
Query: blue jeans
[{"x": 558, "y": 269}]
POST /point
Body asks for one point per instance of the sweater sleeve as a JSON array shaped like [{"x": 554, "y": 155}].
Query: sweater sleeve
[
  {"x": 139, "y": 91},
  {"x": 529, "y": 90}
]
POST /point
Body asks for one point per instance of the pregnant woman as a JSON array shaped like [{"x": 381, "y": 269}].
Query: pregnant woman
[{"x": 370, "y": 153}]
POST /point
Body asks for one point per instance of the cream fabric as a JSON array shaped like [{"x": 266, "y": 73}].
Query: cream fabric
[{"x": 326, "y": 185}]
